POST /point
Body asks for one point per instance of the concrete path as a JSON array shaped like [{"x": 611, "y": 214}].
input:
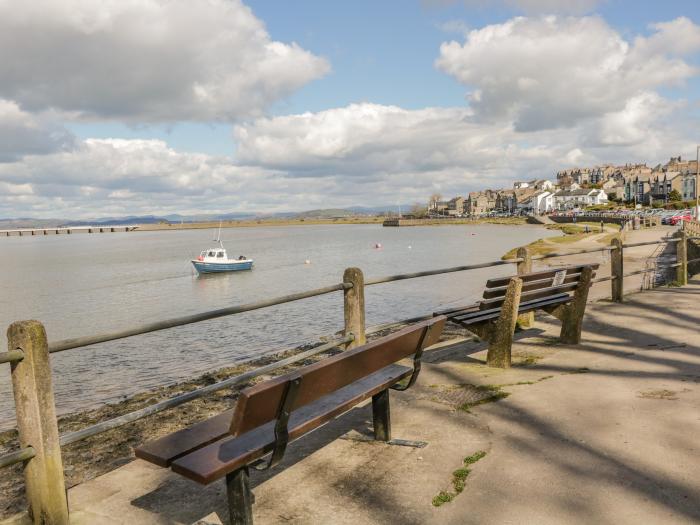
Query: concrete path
[{"x": 605, "y": 432}]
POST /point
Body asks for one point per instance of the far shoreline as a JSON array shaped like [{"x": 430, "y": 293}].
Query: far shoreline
[{"x": 258, "y": 223}]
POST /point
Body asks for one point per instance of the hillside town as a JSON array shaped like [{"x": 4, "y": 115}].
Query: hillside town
[{"x": 578, "y": 188}]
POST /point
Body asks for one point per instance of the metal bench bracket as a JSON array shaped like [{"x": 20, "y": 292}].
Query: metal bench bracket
[
  {"x": 416, "y": 361},
  {"x": 281, "y": 430}
]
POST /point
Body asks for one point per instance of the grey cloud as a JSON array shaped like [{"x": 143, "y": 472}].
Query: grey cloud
[{"x": 22, "y": 133}]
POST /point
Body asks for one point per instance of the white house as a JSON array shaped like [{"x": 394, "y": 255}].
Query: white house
[
  {"x": 570, "y": 199},
  {"x": 541, "y": 202}
]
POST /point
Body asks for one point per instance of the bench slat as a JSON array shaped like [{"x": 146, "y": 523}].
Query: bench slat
[
  {"x": 503, "y": 281},
  {"x": 534, "y": 294},
  {"x": 164, "y": 450},
  {"x": 500, "y": 291},
  {"x": 259, "y": 404},
  {"x": 214, "y": 461},
  {"x": 526, "y": 306}
]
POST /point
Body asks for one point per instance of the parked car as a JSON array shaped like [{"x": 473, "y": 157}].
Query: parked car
[{"x": 686, "y": 217}]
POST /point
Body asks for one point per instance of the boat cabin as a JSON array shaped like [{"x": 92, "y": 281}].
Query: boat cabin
[
  {"x": 214, "y": 253},
  {"x": 217, "y": 255}
]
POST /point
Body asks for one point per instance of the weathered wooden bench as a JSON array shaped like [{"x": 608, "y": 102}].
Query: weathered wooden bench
[
  {"x": 269, "y": 415},
  {"x": 561, "y": 292}
]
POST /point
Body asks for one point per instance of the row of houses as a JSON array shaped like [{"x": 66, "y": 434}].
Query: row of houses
[
  {"x": 536, "y": 197},
  {"x": 638, "y": 183},
  {"x": 579, "y": 188}
]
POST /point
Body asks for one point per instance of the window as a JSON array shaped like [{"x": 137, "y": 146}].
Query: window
[
  {"x": 211, "y": 254},
  {"x": 220, "y": 254}
]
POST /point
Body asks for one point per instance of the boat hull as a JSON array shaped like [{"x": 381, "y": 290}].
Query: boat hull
[{"x": 235, "y": 266}]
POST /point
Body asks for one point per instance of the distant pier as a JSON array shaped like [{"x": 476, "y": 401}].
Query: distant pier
[
  {"x": 426, "y": 222},
  {"x": 22, "y": 232}
]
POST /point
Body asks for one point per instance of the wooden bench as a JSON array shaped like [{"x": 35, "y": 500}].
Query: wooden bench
[
  {"x": 269, "y": 415},
  {"x": 561, "y": 292}
]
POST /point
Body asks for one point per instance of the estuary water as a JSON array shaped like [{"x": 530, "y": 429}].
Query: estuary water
[{"x": 86, "y": 284}]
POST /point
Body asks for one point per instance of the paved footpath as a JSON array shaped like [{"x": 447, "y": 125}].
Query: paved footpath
[{"x": 604, "y": 432}]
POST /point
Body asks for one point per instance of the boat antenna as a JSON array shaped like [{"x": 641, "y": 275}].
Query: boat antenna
[{"x": 218, "y": 235}]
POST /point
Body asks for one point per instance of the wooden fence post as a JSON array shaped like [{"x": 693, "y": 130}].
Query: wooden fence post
[
  {"x": 526, "y": 320},
  {"x": 617, "y": 269},
  {"x": 682, "y": 257},
  {"x": 354, "y": 303},
  {"x": 37, "y": 424}
]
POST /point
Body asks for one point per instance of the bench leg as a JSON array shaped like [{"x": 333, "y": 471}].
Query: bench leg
[
  {"x": 381, "y": 416},
  {"x": 381, "y": 419},
  {"x": 240, "y": 498},
  {"x": 572, "y": 318},
  {"x": 501, "y": 340}
]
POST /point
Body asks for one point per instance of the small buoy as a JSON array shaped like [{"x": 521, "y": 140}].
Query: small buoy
[
  {"x": 378, "y": 245},
  {"x": 473, "y": 233},
  {"x": 409, "y": 246},
  {"x": 307, "y": 261}
]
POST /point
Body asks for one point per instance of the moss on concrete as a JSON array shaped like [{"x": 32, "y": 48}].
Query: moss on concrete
[
  {"x": 459, "y": 479},
  {"x": 492, "y": 393}
]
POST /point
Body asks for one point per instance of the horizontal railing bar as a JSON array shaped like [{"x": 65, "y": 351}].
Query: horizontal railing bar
[
  {"x": 649, "y": 243},
  {"x": 18, "y": 456},
  {"x": 639, "y": 272},
  {"x": 67, "y": 344},
  {"x": 104, "y": 426},
  {"x": 577, "y": 252},
  {"x": 11, "y": 356},
  {"x": 664, "y": 267},
  {"x": 692, "y": 260},
  {"x": 603, "y": 279},
  {"x": 403, "y": 276}
]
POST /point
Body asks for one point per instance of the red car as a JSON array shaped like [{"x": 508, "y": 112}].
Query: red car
[{"x": 678, "y": 218}]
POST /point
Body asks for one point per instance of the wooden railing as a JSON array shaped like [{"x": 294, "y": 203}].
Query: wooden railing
[{"x": 29, "y": 351}]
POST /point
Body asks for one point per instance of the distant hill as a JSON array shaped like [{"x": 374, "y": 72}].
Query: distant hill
[{"x": 327, "y": 213}]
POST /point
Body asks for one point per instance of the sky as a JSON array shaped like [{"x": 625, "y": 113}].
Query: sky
[{"x": 135, "y": 107}]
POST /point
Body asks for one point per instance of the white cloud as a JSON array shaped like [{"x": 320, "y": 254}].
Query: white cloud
[
  {"x": 146, "y": 60},
  {"x": 365, "y": 154},
  {"x": 551, "y": 72}
]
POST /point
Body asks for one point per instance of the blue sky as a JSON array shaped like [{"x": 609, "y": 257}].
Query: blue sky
[{"x": 332, "y": 103}]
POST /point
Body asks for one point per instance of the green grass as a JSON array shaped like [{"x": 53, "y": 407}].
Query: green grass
[
  {"x": 442, "y": 498},
  {"x": 470, "y": 460},
  {"x": 459, "y": 479}
]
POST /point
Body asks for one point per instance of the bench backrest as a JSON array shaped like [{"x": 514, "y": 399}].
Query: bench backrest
[
  {"x": 260, "y": 404},
  {"x": 535, "y": 285}
]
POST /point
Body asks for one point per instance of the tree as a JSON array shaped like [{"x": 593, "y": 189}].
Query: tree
[
  {"x": 675, "y": 196},
  {"x": 418, "y": 210}
]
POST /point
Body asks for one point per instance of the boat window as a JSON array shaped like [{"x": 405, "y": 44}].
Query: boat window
[
  {"x": 220, "y": 254},
  {"x": 211, "y": 254}
]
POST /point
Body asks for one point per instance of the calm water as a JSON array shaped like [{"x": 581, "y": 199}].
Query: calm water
[{"x": 86, "y": 284}]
